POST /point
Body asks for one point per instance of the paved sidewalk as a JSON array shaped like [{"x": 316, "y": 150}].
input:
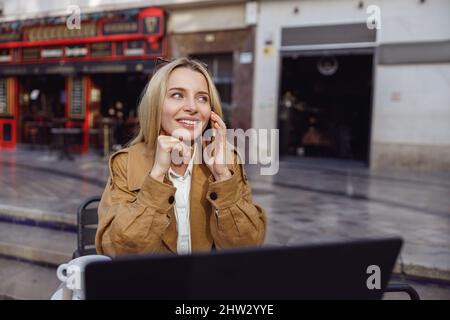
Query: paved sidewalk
[
  {"x": 308, "y": 201},
  {"x": 314, "y": 201},
  {"x": 38, "y": 185}
]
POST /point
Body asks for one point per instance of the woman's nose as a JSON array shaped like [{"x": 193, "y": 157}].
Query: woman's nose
[{"x": 190, "y": 105}]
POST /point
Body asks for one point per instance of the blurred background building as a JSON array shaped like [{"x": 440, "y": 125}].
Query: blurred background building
[
  {"x": 361, "y": 80},
  {"x": 364, "y": 84},
  {"x": 337, "y": 86}
]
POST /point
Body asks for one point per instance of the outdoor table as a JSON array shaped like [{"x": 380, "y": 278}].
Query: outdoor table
[
  {"x": 37, "y": 132},
  {"x": 64, "y": 143}
]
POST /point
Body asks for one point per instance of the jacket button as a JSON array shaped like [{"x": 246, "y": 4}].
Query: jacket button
[
  {"x": 171, "y": 199},
  {"x": 213, "y": 196}
]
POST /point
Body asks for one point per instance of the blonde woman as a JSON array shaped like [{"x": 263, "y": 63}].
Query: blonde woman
[{"x": 153, "y": 204}]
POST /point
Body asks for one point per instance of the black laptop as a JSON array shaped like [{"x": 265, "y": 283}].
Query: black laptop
[{"x": 344, "y": 270}]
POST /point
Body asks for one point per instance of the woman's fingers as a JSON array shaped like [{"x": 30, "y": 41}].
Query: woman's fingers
[
  {"x": 180, "y": 153},
  {"x": 176, "y": 155},
  {"x": 209, "y": 152},
  {"x": 221, "y": 147},
  {"x": 176, "y": 150},
  {"x": 186, "y": 152},
  {"x": 203, "y": 143},
  {"x": 221, "y": 125},
  {"x": 167, "y": 141}
]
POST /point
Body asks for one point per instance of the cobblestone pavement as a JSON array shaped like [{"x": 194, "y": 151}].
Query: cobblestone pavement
[{"x": 313, "y": 201}]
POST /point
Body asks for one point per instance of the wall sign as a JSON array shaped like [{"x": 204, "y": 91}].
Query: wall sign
[
  {"x": 151, "y": 25},
  {"x": 101, "y": 49},
  {"x": 59, "y": 32},
  {"x": 111, "y": 28}
]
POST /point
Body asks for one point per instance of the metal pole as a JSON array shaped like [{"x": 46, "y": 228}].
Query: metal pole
[{"x": 106, "y": 141}]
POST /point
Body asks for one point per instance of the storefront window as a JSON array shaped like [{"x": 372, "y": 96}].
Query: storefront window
[{"x": 5, "y": 109}]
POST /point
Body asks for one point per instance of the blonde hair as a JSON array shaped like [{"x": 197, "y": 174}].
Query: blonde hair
[{"x": 150, "y": 105}]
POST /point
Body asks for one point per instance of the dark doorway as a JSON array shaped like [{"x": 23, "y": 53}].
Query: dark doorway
[
  {"x": 325, "y": 106},
  {"x": 117, "y": 98},
  {"x": 42, "y": 99}
]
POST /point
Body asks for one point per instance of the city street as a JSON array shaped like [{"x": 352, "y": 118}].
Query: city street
[
  {"x": 354, "y": 97},
  {"x": 308, "y": 201}
]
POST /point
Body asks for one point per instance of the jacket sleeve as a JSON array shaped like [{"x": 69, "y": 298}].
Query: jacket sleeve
[
  {"x": 131, "y": 222},
  {"x": 236, "y": 221}
]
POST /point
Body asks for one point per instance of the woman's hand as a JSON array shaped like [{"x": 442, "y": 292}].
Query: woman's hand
[
  {"x": 168, "y": 150},
  {"x": 217, "y": 159}
]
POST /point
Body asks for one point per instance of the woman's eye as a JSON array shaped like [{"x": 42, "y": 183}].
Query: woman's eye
[
  {"x": 177, "y": 95},
  {"x": 203, "y": 98}
]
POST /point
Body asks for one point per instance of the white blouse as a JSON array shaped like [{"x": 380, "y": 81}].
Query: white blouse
[{"x": 181, "y": 207}]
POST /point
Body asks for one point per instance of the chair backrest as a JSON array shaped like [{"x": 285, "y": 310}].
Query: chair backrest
[{"x": 87, "y": 218}]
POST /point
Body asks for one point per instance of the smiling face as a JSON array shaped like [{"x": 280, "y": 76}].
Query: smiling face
[{"x": 186, "y": 104}]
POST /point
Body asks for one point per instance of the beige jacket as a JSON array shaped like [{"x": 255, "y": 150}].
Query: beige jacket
[{"x": 136, "y": 213}]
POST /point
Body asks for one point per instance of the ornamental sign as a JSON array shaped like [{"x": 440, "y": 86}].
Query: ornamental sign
[
  {"x": 111, "y": 28},
  {"x": 59, "y": 32}
]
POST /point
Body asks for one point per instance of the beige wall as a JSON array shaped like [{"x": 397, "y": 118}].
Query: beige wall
[
  {"x": 206, "y": 18},
  {"x": 411, "y": 104},
  {"x": 411, "y": 116},
  {"x": 418, "y": 156}
]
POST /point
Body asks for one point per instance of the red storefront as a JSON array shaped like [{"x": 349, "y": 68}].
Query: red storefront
[{"x": 53, "y": 76}]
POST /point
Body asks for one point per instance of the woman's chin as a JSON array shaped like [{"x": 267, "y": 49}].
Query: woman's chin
[{"x": 186, "y": 134}]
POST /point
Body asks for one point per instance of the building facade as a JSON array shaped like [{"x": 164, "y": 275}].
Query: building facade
[
  {"x": 339, "y": 88},
  {"x": 348, "y": 79},
  {"x": 58, "y": 82},
  {"x": 111, "y": 78}
]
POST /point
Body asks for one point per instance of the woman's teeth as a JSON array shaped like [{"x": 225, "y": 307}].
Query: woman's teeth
[{"x": 190, "y": 122}]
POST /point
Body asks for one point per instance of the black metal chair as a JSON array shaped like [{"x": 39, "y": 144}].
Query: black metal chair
[
  {"x": 403, "y": 287},
  {"x": 87, "y": 221}
]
